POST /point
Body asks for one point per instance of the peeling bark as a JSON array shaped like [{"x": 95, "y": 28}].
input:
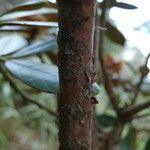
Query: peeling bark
[{"x": 75, "y": 104}]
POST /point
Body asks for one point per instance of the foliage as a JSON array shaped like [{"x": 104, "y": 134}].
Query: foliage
[{"x": 28, "y": 50}]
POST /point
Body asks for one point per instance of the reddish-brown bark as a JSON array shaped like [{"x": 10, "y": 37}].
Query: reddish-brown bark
[{"x": 75, "y": 41}]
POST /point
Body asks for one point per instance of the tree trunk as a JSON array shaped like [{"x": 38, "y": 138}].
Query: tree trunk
[{"x": 75, "y": 104}]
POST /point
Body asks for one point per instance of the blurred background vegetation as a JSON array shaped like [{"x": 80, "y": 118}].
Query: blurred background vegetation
[{"x": 26, "y": 126}]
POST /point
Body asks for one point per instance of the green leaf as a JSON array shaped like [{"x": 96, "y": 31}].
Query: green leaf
[
  {"x": 32, "y": 6},
  {"x": 124, "y": 5},
  {"x": 144, "y": 70},
  {"x": 29, "y": 23},
  {"x": 13, "y": 28},
  {"x": 41, "y": 76},
  {"x": 109, "y": 5},
  {"x": 114, "y": 34},
  {"x": 36, "y": 48},
  {"x": 10, "y": 43},
  {"x": 26, "y": 14},
  {"x": 125, "y": 144},
  {"x": 106, "y": 120},
  {"x": 147, "y": 146},
  {"x": 8, "y": 112},
  {"x": 129, "y": 141},
  {"x": 3, "y": 139}
]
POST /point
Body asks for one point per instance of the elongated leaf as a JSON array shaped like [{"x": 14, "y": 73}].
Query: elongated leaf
[
  {"x": 106, "y": 120},
  {"x": 110, "y": 4},
  {"x": 23, "y": 14},
  {"x": 147, "y": 146},
  {"x": 114, "y": 34},
  {"x": 125, "y": 144},
  {"x": 124, "y": 5},
  {"x": 130, "y": 140},
  {"x": 13, "y": 28},
  {"x": 36, "y": 48},
  {"x": 32, "y": 6},
  {"x": 41, "y": 76},
  {"x": 10, "y": 43},
  {"x": 29, "y": 23}
]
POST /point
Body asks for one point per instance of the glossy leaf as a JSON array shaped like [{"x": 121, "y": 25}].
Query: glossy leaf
[
  {"x": 41, "y": 76},
  {"x": 29, "y": 23},
  {"x": 23, "y": 14},
  {"x": 32, "y": 6},
  {"x": 129, "y": 141},
  {"x": 10, "y": 43},
  {"x": 114, "y": 34},
  {"x": 110, "y": 4},
  {"x": 13, "y": 28},
  {"x": 147, "y": 146},
  {"x": 124, "y": 5},
  {"x": 106, "y": 120},
  {"x": 36, "y": 48},
  {"x": 125, "y": 144}
]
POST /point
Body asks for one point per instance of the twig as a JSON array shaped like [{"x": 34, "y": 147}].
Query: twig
[
  {"x": 96, "y": 69},
  {"x": 141, "y": 116},
  {"x": 21, "y": 93},
  {"x": 96, "y": 41},
  {"x": 139, "y": 84},
  {"x": 134, "y": 71},
  {"x": 132, "y": 110},
  {"x": 107, "y": 84}
]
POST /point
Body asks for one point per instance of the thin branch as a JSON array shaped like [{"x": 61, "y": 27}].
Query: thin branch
[
  {"x": 96, "y": 65},
  {"x": 21, "y": 93},
  {"x": 96, "y": 41},
  {"x": 134, "y": 71},
  {"x": 141, "y": 116},
  {"x": 132, "y": 110},
  {"x": 147, "y": 58},
  {"x": 139, "y": 84},
  {"x": 107, "y": 84}
]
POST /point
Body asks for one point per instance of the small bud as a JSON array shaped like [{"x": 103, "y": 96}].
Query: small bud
[{"x": 144, "y": 70}]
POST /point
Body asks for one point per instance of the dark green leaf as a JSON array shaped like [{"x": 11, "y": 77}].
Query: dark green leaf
[
  {"x": 126, "y": 142},
  {"x": 26, "y": 14},
  {"x": 114, "y": 34},
  {"x": 129, "y": 141},
  {"x": 10, "y": 43},
  {"x": 144, "y": 70},
  {"x": 124, "y": 5},
  {"x": 41, "y": 76},
  {"x": 147, "y": 146},
  {"x": 36, "y": 48},
  {"x": 29, "y": 23},
  {"x": 110, "y": 4},
  {"x": 106, "y": 120}
]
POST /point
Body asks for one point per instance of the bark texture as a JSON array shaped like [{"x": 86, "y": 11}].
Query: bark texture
[{"x": 75, "y": 104}]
